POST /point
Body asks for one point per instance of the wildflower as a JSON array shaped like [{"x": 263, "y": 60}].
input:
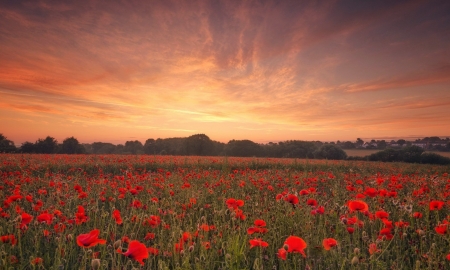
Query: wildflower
[
  {"x": 358, "y": 205},
  {"x": 292, "y": 199},
  {"x": 328, "y": 243},
  {"x": 282, "y": 253},
  {"x": 258, "y": 243},
  {"x": 296, "y": 244},
  {"x": 117, "y": 217},
  {"x": 45, "y": 217},
  {"x": 37, "y": 260},
  {"x": 234, "y": 204},
  {"x": 90, "y": 239},
  {"x": 436, "y": 205},
  {"x": 137, "y": 251},
  {"x": 373, "y": 248}
]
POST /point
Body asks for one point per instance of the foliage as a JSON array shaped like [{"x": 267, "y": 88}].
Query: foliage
[
  {"x": 71, "y": 146},
  {"x": 330, "y": 151},
  {"x": 6, "y": 146}
]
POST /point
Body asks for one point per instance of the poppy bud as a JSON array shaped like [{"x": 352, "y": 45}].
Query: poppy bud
[
  {"x": 117, "y": 244},
  {"x": 69, "y": 237},
  {"x": 95, "y": 264},
  {"x": 356, "y": 251},
  {"x": 191, "y": 248},
  {"x": 355, "y": 260}
]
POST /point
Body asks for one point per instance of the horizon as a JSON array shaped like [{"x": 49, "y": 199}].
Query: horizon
[
  {"x": 257, "y": 70},
  {"x": 387, "y": 139}
]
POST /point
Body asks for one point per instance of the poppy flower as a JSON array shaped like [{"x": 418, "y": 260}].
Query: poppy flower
[
  {"x": 441, "y": 229},
  {"x": 117, "y": 217},
  {"x": 417, "y": 215},
  {"x": 234, "y": 204},
  {"x": 381, "y": 214},
  {"x": 436, "y": 205},
  {"x": 45, "y": 217},
  {"x": 137, "y": 251},
  {"x": 37, "y": 261},
  {"x": 358, "y": 205},
  {"x": 258, "y": 243},
  {"x": 373, "y": 248},
  {"x": 259, "y": 223},
  {"x": 282, "y": 253},
  {"x": 90, "y": 239},
  {"x": 328, "y": 243},
  {"x": 296, "y": 244},
  {"x": 371, "y": 192},
  {"x": 292, "y": 199}
]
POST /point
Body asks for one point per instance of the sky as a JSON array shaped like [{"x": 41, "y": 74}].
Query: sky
[{"x": 267, "y": 71}]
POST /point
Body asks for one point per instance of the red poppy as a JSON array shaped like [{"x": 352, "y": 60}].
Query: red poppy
[
  {"x": 441, "y": 229},
  {"x": 436, "y": 205},
  {"x": 371, "y": 192},
  {"x": 258, "y": 243},
  {"x": 234, "y": 204},
  {"x": 292, "y": 199},
  {"x": 328, "y": 243},
  {"x": 37, "y": 261},
  {"x": 358, "y": 206},
  {"x": 25, "y": 219},
  {"x": 80, "y": 215},
  {"x": 90, "y": 239},
  {"x": 373, "y": 248},
  {"x": 137, "y": 251},
  {"x": 259, "y": 223},
  {"x": 282, "y": 253},
  {"x": 117, "y": 217},
  {"x": 417, "y": 215},
  {"x": 381, "y": 214},
  {"x": 153, "y": 251},
  {"x": 149, "y": 236},
  {"x": 45, "y": 217},
  {"x": 296, "y": 244}
]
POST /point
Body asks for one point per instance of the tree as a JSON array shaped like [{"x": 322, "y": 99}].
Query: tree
[
  {"x": 28, "y": 147},
  {"x": 150, "y": 147},
  {"x": 198, "y": 145},
  {"x": 330, "y": 151},
  {"x": 71, "y": 146},
  {"x": 359, "y": 142},
  {"x": 48, "y": 145},
  {"x": 133, "y": 147},
  {"x": 243, "y": 148},
  {"x": 401, "y": 142},
  {"x": 6, "y": 146}
]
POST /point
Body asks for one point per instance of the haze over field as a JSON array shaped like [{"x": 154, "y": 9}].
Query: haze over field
[{"x": 259, "y": 70}]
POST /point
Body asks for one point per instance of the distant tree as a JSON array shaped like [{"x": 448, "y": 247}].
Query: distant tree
[
  {"x": 134, "y": 147},
  {"x": 6, "y": 146},
  {"x": 330, "y": 151},
  {"x": 48, "y": 145},
  {"x": 243, "y": 148},
  {"x": 150, "y": 147},
  {"x": 348, "y": 145},
  {"x": 103, "y": 148},
  {"x": 381, "y": 144},
  {"x": 401, "y": 142},
  {"x": 198, "y": 145},
  {"x": 72, "y": 146},
  {"x": 28, "y": 147},
  {"x": 359, "y": 142}
]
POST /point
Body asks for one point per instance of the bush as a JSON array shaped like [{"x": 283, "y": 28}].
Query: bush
[{"x": 330, "y": 151}]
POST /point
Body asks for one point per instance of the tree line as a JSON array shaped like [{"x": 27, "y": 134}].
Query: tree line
[{"x": 195, "y": 145}]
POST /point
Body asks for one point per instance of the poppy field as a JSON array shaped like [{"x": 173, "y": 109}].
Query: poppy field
[{"x": 175, "y": 212}]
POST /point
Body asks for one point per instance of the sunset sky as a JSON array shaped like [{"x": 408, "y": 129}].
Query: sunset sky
[{"x": 114, "y": 71}]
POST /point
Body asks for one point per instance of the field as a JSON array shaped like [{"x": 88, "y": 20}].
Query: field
[
  {"x": 166, "y": 212},
  {"x": 366, "y": 152}
]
